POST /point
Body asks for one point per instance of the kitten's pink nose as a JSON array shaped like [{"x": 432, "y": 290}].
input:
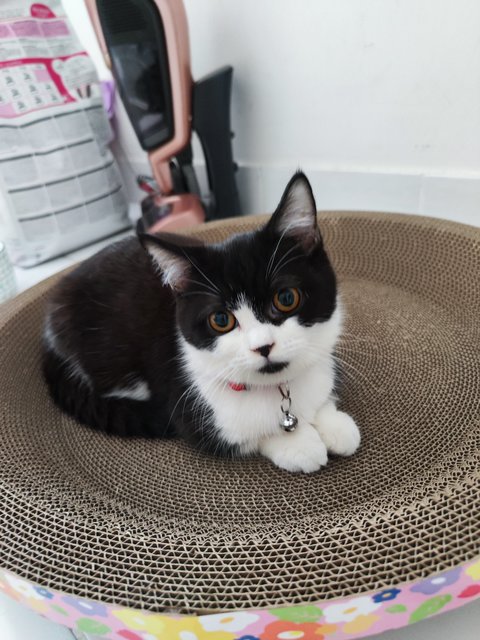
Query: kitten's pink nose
[{"x": 265, "y": 350}]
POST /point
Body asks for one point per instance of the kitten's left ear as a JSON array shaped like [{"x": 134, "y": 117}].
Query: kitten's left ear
[
  {"x": 173, "y": 254},
  {"x": 296, "y": 215}
]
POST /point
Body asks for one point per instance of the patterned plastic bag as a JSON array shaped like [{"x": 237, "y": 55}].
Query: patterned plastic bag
[{"x": 60, "y": 187}]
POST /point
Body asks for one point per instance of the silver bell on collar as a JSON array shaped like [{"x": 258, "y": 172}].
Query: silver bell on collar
[{"x": 288, "y": 421}]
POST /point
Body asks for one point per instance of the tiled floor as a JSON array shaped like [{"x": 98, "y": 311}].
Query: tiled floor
[
  {"x": 26, "y": 278},
  {"x": 18, "y": 623}
]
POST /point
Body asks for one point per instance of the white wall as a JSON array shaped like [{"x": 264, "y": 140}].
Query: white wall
[
  {"x": 377, "y": 100},
  {"x": 381, "y": 84}
]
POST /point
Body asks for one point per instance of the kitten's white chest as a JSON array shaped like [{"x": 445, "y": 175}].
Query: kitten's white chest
[{"x": 245, "y": 417}]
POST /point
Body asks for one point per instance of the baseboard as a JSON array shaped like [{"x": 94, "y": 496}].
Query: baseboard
[{"x": 453, "y": 197}]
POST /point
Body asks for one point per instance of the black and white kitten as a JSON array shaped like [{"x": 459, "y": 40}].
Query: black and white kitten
[{"x": 178, "y": 337}]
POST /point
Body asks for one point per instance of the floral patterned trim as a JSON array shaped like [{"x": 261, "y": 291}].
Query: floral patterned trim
[{"x": 340, "y": 619}]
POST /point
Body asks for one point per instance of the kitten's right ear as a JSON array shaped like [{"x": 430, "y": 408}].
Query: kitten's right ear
[
  {"x": 296, "y": 215},
  {"x": 170, "y": 253}
]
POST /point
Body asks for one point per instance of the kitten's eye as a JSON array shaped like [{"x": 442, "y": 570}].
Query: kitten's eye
[
  {"x": 222, "y": 321},
  {"x": 286, "y": 300}
]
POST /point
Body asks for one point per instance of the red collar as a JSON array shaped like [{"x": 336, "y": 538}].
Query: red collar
[
  {"x": 234, "y": 386},
  {"x": 237, "y": 387}
]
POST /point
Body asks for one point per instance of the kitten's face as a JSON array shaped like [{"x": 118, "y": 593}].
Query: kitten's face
[
  {"x": 259, "y": 308},
  {"x": 259, "y": 311}
]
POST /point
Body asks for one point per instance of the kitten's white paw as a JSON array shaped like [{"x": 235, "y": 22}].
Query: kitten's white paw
[
  {"x": 337, "y": 430},
  {"x": 299, "y": 451}
]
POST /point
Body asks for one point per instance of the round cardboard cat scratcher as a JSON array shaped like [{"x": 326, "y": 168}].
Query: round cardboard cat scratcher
[{"x": 140, "y": 539}]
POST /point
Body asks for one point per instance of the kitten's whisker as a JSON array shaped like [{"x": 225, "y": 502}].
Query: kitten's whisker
[
  {"x": 348, "y": 370},
  {"x": 281, "y": 265},
  {"x": 170, "y": 360},
  {"x": 271, "y": 261},
  {"x": 351, "y": 378},
  {"x": 218, "y": 384},
  {"x": 284, "y": 257},
  {"x": 198, "y": 293},
  {"x": 189, "y": 389},
  {"x": 201, "y": 272},
  {"x": 341, "y": 361},
  {"x": 353, "y": 336},
  {"x": 347, "y": 350},
  {"x": 206, "y": 286}
]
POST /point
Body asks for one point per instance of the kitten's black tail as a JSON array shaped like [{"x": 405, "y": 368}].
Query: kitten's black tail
[{"x": 119, "y": 416}]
